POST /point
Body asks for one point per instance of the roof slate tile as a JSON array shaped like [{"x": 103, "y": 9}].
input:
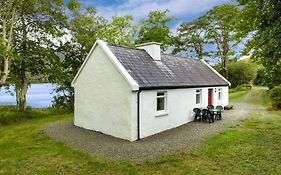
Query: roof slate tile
[{"x": 170, "y": 72}]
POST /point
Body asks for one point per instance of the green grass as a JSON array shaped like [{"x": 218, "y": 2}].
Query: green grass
[
  {"x": 257, "y": 96},
  {"x": 9, "y": 114},
  {"x": 260, "y": 96},
  {"x": 237, "y": 95},
  {"x": 252, "y": 147}
]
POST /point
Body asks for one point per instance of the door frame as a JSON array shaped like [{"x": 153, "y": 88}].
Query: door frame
[{"x": 210, "y": 96}]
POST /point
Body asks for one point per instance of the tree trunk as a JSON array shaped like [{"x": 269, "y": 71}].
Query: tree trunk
[
  {"x": 5, "y": 33},
  {"x": 224, "y": 67},
  {"x": 21, "y": 78},
  {"x": 21, "y": 90},
  {"x": 225, "y": 50},
  {"x": 5, "y": 73}
]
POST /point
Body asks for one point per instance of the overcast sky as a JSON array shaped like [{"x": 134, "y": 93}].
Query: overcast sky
[{"x": 182, "y": 10}]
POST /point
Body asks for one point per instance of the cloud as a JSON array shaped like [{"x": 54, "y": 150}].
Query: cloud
[{"x": 140, "y": 8}]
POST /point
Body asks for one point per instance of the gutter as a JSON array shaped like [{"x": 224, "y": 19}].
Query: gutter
[
  {"x": 180, "y": 87},
  {"x": 138, "y": 113}
]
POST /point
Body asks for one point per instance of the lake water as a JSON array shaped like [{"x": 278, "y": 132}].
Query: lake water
[{"x": 38, "y": 96}]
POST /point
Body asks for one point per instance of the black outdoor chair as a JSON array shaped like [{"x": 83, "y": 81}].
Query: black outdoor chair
[
  {"x": 218, "y": 116},
  {"x": 197, "y": 114},
  {"x": 206, "y": 115},
  {"x": 210, "y": 107}
]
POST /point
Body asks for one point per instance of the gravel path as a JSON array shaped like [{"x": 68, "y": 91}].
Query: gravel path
[{"x": 108, "y": 147}]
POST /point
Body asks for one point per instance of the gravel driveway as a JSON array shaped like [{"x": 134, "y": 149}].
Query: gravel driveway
[{"x": 109, "y": 147}]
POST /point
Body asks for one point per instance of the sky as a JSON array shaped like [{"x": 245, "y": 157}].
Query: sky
[{"x": 182, "y": 10}]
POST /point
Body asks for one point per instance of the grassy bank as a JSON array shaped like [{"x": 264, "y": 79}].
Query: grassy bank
[
  {"x": 9, "y": 114},
  {"x": 253, "y": 147}
]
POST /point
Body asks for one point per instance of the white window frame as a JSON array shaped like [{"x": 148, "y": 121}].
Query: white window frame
[
  {"x": 165, "y": 110},
  {"x": 220, "y": 94},
  {"x": 198, "y": 92}
]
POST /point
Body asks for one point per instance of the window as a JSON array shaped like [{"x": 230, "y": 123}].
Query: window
[
  {"x": 161, "y": 101},
  {"x": 198, "y": 96},
  {"x": 220, "y": 94}
]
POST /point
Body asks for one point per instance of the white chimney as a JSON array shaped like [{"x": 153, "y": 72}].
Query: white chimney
[{"x": 152, "y": 48}]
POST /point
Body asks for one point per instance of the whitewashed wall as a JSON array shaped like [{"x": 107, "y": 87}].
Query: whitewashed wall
[
  {"x": 104, "y": 101},
  {"x": 180, "y": 104},
  {"x": 224, "y": 100}
]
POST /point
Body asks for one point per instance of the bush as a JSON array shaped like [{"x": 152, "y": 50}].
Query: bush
[
  {"x": 261, "y": 77},
  {"x": 275, "y": 95},
  {"x": 241, "y": 72}
]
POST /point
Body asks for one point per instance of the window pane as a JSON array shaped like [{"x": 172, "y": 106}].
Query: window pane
[
  {"x": 160, "y": 104},
  {"x": 220, "y": 94},
  {"x": 198, "y": 98}
]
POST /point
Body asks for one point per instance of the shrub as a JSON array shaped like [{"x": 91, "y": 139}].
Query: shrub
[
  {"x": 261, "y": 77},
  {"x": 241, "y": 72},
  {"x": 275, "y": 95}
]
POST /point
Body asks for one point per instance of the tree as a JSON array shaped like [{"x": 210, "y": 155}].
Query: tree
[
  {"x": 192, "y": 37},
  {"x": 38, "y": 24},
  {"x": 261, "y": 23},
  {"x": 275, "y": 95},
  {"x": 242, "y": 72},
  {"x": 83, "y": 26},
  {"x": 8, "y": 16},
  {"x": 221, "y": 31},
  {"x": 155, "y": 28},
  {"x": 119, "y": 31}
]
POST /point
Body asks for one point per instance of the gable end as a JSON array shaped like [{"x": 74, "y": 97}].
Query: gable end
[{"x": 115, "y": 62}]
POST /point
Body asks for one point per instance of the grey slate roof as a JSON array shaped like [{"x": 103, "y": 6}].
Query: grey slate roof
[{"x": 170, "y": 72}]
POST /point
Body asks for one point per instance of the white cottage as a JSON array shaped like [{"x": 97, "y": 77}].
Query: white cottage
[{"x": 132, "y": 93}]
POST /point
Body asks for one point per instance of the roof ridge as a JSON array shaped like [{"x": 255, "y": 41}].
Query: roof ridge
[
  {"x": 196, "y": 59},
  {"x": 127, "y": 47},
  {"x": 162, "y": 53}
]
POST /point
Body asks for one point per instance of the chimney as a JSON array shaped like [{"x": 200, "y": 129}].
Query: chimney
[{"x": 152, "y": 48}]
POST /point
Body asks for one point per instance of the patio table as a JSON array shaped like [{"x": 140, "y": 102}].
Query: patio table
[{"x": 213, "y": 112}]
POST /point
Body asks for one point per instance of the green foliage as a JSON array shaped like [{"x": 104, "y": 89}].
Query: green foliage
[
  {"x": 241, "y": 72},
  {"x": 119, "y": 31},
  {"x": 192, "y": 37},
  {"x": 275, "y": 95},
  {"x": 260, "y": 79},
  {"x": 216, "y": 30},
  {"x": 37, "y": 25},
  {"x": 155, "y": 29},
  {"x": 221, "y": 31},
  {"x": 261, "y": 21},
  {"x": 73, "y": 5}
]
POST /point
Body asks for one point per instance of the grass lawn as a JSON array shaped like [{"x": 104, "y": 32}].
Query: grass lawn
[
  {"x": 236, "y": 96},
  {"x": 253, "y": 147}
]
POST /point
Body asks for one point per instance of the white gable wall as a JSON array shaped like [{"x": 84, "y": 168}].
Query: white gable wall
[
  {"x": 104, "y": 100},
  {"x": 180, "y": 104}
]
